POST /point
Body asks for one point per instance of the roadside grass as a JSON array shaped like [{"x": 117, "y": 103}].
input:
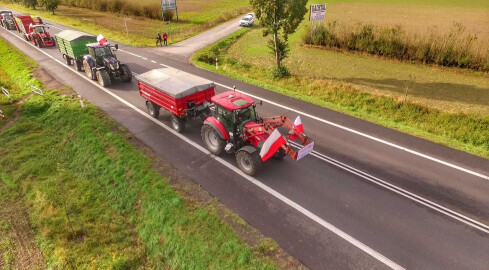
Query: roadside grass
[
  {"x": 464, "y": 131},
  {"x": 95, "y": 201},
  {"x": 141, "y": 31}
]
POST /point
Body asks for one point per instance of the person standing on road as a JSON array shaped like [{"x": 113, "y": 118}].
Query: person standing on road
[
  {"x": 165, "y": 38},
  {"x": 158, "y": 39}
]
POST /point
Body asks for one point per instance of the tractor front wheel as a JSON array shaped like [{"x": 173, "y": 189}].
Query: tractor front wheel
[
  {"x": 280, "y": 154},
  {"x": 126, "y": 75},
  {"x": 248, "y": 163},
  {"x": 88, "y": 70},
  {"x": 153, "y": 109},
  {"x": 39, "y": 43},
  {"x": 213, "y": 142},
  {"x": 177, "y": 123},
  {"x": 103, "y": 78}
]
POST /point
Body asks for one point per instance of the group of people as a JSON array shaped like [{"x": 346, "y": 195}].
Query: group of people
[{"x": 159, "y": 38}]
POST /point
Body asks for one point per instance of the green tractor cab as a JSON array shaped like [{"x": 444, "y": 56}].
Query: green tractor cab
[{"x": 101, "y": 63}]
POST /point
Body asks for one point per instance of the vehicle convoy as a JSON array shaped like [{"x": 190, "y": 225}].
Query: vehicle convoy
[
  {"x": 34, "y": 30},
  {"x": 97, "y": 59},
  {"x": 7, "y": 20},
  {"x": 230, "y": 121}
]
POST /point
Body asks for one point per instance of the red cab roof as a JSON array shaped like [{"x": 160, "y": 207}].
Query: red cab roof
[{"x": 232, "y": 100}]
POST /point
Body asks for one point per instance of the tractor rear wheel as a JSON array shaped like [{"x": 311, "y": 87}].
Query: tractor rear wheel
[
  {"x": 248, "y": 163},
  {"x": 88, "y": 70},
  {"x": 153, "y": 109},
  {"x": 103, "y": 78},
  {"x": 78, "y": 65},
  {"x": 177, "y": 123},
  {"x": 39, "y": 43},
  {"x": 213, "y": 142},
  {"x": 126, "y": 75}
]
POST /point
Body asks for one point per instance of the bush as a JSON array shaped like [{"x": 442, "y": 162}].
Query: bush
[
  {"x": 168, "y": 15},
  {"x": 455, "y": 48},
  {"x": 281, "y": 72}
]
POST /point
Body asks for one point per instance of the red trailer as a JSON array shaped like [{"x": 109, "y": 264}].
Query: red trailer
[
  {"x": 182, "y": 94},
  {"x": 33, "y": 30}
]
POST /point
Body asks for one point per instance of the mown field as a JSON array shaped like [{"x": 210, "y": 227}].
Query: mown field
[
  {"x": 195, "y": 17},
  {"x": 75, "y": 193}
]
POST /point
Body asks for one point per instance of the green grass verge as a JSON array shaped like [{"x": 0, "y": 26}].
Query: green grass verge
[
  {"x": 95, "y": 202},
  {"x": 466, "y": 132}
]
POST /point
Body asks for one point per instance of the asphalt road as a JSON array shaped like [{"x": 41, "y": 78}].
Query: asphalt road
[{"x": 368, "y": 197}]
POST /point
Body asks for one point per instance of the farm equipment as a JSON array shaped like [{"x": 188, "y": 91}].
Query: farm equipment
[
  {"x": 73, "y": 46},
  {"x": 230, "y": 124},
  {"x": 101, "y": 64},
  {"x": 7, "y": 20},
  {"x": 33, "y": 30},
  {"x": 185, "y": 96}
]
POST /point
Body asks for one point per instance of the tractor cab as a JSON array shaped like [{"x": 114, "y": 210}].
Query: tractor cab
[
  {"x": 234, "y": 109},
  {"x": 101, "y": 53},
  {"x": 39, "y": 29}
]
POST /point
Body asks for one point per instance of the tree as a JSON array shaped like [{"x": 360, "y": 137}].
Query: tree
[
  {"x": 50, "y": 5},
  {"x": 30, "y": 3},
  {"x": 279, "y": 17}
]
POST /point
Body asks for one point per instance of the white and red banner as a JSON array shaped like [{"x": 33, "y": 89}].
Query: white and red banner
[
  {"x": 271, "y": 145},
  {"x": 101, "y": 40}
]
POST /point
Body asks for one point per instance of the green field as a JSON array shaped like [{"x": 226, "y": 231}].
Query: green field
[{"x": 76, "y": 192}]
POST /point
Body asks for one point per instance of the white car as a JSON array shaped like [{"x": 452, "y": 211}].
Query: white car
[{"x": 246, "y": 21}]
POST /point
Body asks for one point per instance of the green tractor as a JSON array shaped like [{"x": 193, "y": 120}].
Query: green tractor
[{"x": 101, "y": 64}]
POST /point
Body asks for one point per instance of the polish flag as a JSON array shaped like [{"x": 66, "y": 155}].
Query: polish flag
[
  {"x": 298, "y": 127},
  {"x": 271, "y": 145},
  {"x": 101, "y": 40}
]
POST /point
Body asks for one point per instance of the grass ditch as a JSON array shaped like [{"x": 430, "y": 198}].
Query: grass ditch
[
  {"x": 95, "y": 202},
  {"x": 466, "y": 132}
]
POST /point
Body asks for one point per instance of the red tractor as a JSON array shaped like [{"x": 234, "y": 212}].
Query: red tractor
[
  {"x": 34, "y": 31},
  {"x": 230, "y": 120},
  {"x": 234, "y": 127}
]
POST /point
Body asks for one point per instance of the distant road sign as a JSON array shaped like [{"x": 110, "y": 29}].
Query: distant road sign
[
  {"x": 318, "y": 12},
  {"x": 168, "y": 4}
]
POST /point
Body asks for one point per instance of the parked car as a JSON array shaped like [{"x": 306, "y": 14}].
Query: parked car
[
  {"x": 251, "y": 15},
  {"x": 247, "y": 21}
]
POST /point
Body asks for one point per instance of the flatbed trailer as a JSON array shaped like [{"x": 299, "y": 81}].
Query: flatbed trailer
[{"x": 182, "y": 94}]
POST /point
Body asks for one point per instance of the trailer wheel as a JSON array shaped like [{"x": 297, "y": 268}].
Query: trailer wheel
[
  {"x": 103, "y": 78},
  {"x": 153, "y": 109},
  {"x": 67, "y": 60},
  {"x": 78, "y": 65},
  {"x": 248, "y": 163},
  {"x": 213, "y": 142},
  {"x": 88, "y": 70},
  {"x": 177, "y": 123},
  {"x": 126, "y": 75}
]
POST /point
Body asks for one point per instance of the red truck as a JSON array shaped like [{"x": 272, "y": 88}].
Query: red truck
[
  {"x": 229, "y": 120},
  {"x": 33, "y": 30}
]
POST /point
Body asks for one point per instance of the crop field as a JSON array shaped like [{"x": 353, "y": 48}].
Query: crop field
[{"x": 449, "y": 89}]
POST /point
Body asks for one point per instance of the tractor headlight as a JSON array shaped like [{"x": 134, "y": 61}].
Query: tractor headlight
[{"x": 114, "y": 66}]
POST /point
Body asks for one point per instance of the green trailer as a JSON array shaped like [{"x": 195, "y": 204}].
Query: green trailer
[{"x": 73, "y": 46}]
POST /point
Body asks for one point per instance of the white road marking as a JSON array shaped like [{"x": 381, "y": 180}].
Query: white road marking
[
  {"x": 144, "y": 58},
  {"x": 153, "y": 61},
  {"x": 264, "y": 187},
  {"x": 359, "y": 133},
  {"x": 50, "y": 25},
  {"x": 430, "y": 204}
]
